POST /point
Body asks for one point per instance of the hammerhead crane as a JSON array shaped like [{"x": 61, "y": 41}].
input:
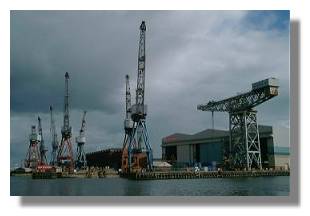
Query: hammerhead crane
[
  {"x": 43, "y": 150},
  {"x": 80, "y": 140},
  {"x": 244, "y": 136}
]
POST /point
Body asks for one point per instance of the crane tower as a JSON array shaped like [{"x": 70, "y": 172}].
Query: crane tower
[
  {"x": 128, "y": 127},
  {"x": 80, "y": 140},
  {"x": 33, "y": 155},
  {"x": 43, "y": 149},
  {"x": 65, "y": 154},
  {"x": 244, "y": 136},
  {"x": 139, "y": 111},
  {"x": 53, "y": 161}
]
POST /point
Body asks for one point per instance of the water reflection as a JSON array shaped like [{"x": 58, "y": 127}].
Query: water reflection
[{"x": 261, "y": 186}]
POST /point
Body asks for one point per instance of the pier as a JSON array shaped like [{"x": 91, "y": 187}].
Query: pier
[{"x": 201, "y": 174}]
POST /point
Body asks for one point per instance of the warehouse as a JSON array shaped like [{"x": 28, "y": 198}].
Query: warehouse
[{"x": 211, "y": 148}]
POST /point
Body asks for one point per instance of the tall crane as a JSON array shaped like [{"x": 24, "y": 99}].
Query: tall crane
[
  {"x": 128, "y": 123},
  {"x": 139, "y": 111},
  {"x": 80, "y": 140},
  {"x": 244, "y": 136},
  {"x": 43, "y": 149},
  {"x": 128, "y": 126},
  {"x": 53, "y": 161},
  {"x": 65, "y": 154},
  {"x": 33, "y": 155}
]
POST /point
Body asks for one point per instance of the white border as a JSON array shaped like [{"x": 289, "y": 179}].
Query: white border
[{"x": 12, "y": 205}]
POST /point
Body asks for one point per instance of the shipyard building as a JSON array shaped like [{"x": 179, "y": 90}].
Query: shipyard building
[
  {"x": 105, "y": 158},
  {"x": 211, "y": 148}
]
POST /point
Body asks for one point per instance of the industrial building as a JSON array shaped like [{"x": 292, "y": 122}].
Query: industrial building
[
  {"x": 211, "y": 148},
  {"x": 109, "y": 157}
]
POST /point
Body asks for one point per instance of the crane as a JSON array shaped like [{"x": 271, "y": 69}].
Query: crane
[
  {"x": 80, "y": 140},
  {"x": 128, "y": 126},
  {"x": 43, "y": 149},
  {"x": 138, "y": 115},
  {"x": 33, "y": 155},
  {"x": 128, "y": 123},
  {"x": 244, "y": 136},
  {"x": 53, "y": 132},
  {"x": 65, "y": 154}
]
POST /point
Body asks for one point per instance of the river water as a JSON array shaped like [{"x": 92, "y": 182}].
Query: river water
[{"x": 245, "y": 186}]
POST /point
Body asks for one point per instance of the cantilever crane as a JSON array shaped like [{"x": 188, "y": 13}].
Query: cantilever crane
[
  {"x": 139, "y": 110},
  {"x": 244, "y": 135},
  {"x": 65, "y": 154},
  {"x": 81, "y": 156},
  {"x": 53, "y": 161},
  {"x": 43, "y": 150}
]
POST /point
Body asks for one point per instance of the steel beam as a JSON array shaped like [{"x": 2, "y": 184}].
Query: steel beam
[
  {"x": 241, "y": 102},
  {"x": 140, "y": 134},
  {"x": 244, "y": 140}
]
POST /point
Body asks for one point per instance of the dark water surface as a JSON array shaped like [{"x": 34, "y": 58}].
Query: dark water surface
[{"x": 257, "y": 186}]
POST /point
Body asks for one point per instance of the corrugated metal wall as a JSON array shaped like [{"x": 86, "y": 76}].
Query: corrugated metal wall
[
  {"x": 211, "y": 152},
  {"x": 184, "y": 153}
]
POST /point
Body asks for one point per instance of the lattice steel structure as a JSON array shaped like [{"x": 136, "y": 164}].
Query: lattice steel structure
[
  {"x": 245, "y": 149},
  {"x": 33, "y": 154},
  {"x": 139, "y": 110},
  {"x": 244, "y": 136},
  {"x": 128, "y": 127},
  {"x": 128, "y": 123},
  {"x": 65, "y": 154},
  {"x": 55, "y": 143},
  {"x": 43, "y": 149},
  {"x": 80, "y": 140}
]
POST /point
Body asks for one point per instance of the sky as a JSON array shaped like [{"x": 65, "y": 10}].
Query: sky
[{"x": 191, "y": 57}]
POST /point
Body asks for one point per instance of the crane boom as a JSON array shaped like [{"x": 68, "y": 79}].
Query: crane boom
[
  {"x": 83, "y": 126},
  {"x": 139, "y": 110},
  {"x": 66, "y": 130},
  {"x": 128, "y": 98},
  {"x": 43, "y": 150},
  {"x": 245, "y": 101},
  {"x": 141, "y": 66},
  {"x": 54, "y": 139},
  {"x": 128, "y": 123},
  {"x": 40, "y": 129},
  {"x": 53, "y": 130}
]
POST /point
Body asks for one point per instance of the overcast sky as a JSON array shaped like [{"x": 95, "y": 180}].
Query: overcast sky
[{"x": 191, "y": 57}]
